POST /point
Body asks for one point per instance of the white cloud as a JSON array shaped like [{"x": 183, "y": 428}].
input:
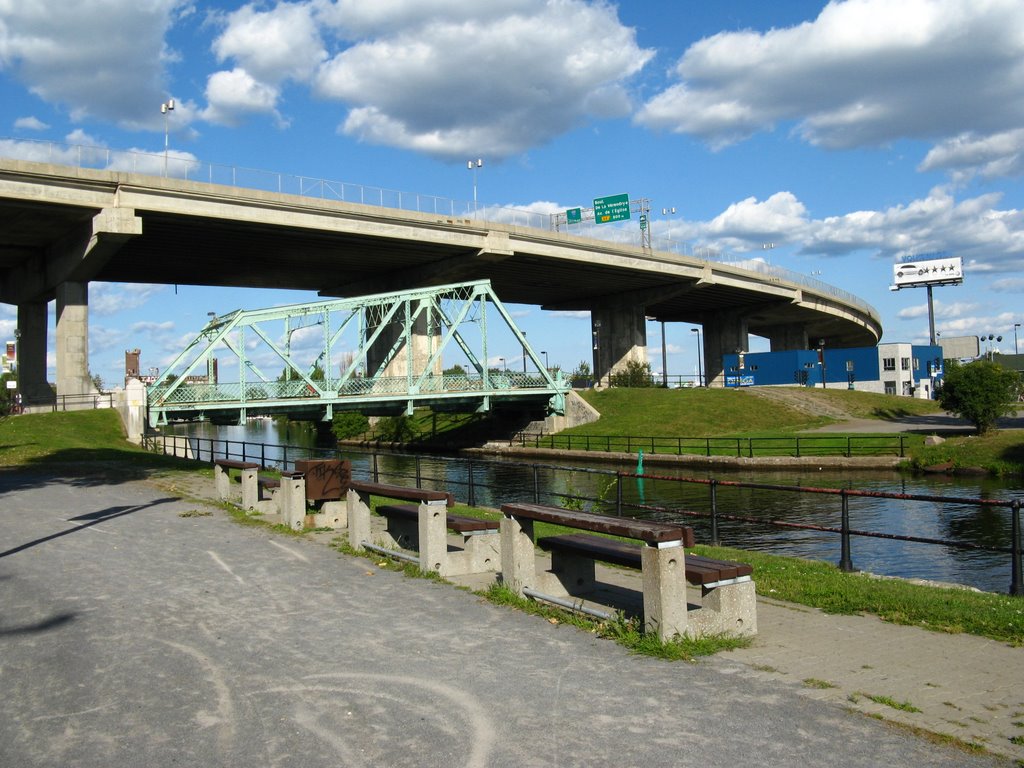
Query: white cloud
[
  {"x": 482, "y": 82},
  {"x": 272, "y": 46},
  {"x": 863, "y": 73},
  {"x": 235, "y": 94},
  {"x": 998, "y": 155},
  {"x": 30, "y": 124},
  {"x": 97, "y": 58},
  {"x": 110, "y": 298}
]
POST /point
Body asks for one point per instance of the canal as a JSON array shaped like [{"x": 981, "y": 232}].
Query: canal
[{"x": 491, "y": 481}]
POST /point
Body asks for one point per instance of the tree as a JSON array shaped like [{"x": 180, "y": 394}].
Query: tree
[
  {"x": 635, "y": 374},
  {"x": 349, "y": 424},
  {"x": 980, "y": 392},
  {"x": 581, "y": 377}
]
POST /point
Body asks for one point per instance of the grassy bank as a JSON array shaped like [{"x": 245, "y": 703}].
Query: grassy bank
[{"x": 93, "y": 437}]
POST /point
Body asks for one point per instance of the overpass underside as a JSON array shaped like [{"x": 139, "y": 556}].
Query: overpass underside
[
  {"x": 65, "y": 227},
  {"x": 379, "y": 355}
]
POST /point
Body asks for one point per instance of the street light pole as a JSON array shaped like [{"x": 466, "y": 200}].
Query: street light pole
[
  {"x": 165, "y": 109},
  {"x": 473, "y": 166},
  {"x": 1015, "y": 327},
  {"x": 700, "y": 362},
  {"x": 546, "y": 366},
  {"x": 664, "y": 358},
  {"x": 524, "y": 351}
]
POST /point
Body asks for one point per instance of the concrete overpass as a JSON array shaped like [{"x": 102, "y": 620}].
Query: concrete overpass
[{"x": 63, "y": 226}]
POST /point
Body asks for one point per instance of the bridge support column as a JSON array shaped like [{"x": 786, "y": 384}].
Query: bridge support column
[
  {"x": 724, "y": 333},
  {"x": 35, "y": 391},
  {"x": 787, "y": 337},
  {"x": 619, "y": 335},
  {"x": 424, "y": 335},
  {"x": 73, "y": 339}
]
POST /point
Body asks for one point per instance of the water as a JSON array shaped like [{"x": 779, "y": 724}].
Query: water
[{"x": 594, "y": 485}]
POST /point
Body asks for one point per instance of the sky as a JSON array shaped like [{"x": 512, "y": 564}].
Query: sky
[{"x": 829, "y": 139}]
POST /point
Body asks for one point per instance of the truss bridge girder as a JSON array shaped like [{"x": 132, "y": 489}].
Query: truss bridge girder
[{"x": 386, "y": 353}]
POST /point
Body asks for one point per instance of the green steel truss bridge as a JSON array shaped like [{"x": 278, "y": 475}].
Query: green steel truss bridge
[{"x": 377, "y": 354}]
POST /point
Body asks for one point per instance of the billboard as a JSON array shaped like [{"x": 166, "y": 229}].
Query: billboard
[{"x": 928, "y": 271}]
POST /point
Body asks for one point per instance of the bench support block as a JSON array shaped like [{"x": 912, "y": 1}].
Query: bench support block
[
  {"x": 664, "y": 585},
  {"x": 729, "y": 609}
]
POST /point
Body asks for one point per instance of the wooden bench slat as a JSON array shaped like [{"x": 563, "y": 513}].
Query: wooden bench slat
[
  {"x": 233, "y": 464},
  {"x": 401, "y": 492},
  {"x": 699, "y": 570},
  {"x": 457, "y": 523},
  {"x": 643, "y": 530}
]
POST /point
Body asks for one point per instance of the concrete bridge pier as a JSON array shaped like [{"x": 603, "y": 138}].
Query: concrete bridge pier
[
  {"x": 424, "y": 336},
  {"x": 724, "y": 333},
  {"x": 786, "y": 337},
  {"x": 32, "y": 354},
  {"x": 73, "y": 340},
  {"x": 619, "y": 335}
]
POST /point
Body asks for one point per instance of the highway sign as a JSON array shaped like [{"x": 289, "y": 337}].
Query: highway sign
[
  {"x": 574, "y": 216},
  {"x": 613, "y": 208}
]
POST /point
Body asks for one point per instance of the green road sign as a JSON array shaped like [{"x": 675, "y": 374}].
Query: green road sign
[
  {"x": 608, "y": 209},
  {"x": 643, "y": 221},
  {"x": 574, "y": 215}
]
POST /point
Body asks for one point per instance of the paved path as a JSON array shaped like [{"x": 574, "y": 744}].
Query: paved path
[{"x": 134, "y": 632}]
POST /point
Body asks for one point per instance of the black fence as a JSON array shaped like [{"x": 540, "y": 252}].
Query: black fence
[
  {"x": 492, "y": 482},
  {"x": 750, "y": 447}
]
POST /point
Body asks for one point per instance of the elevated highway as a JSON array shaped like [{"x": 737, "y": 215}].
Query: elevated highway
[{"x": 62, "y": 227}]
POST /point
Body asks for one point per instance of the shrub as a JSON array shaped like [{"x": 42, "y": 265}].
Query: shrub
[
  {"x": 349, "y": 424},
  {"x": 980, "y": 392}
]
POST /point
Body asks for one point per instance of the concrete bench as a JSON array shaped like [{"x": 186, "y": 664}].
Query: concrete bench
[
  {"x": 659, "y": 556},
  {"x": 728, "y": 599},
  {"x": 480, "y": 546},
  {"x": 248, "y": 475},
  {"x": 431, "y": 532}
]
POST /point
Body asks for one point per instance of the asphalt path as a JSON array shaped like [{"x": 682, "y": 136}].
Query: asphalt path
[{"x": 137, "y": 631}]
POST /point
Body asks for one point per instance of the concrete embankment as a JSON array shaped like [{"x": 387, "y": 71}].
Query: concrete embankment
[{"x": 693, "y": 461}]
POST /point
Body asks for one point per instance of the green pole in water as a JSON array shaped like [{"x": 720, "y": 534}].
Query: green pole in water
[{"x": 640, "y": 480}]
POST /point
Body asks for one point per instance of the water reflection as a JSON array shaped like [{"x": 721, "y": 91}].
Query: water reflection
[{"x": 490, "y": 482}]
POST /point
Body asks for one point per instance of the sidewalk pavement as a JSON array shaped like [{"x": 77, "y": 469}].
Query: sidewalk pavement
[{"x": 138, "y": 630}]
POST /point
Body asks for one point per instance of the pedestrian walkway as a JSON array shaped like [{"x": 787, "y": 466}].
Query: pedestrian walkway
[{"x": 140, "y": 627}]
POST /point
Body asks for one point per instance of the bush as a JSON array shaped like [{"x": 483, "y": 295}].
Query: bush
[
  {"x": 635, "y": 374},
  {"x": 396, "y": 429},
  {"x": 349, "y": 424},
  {"x": 980, "y": 392}
]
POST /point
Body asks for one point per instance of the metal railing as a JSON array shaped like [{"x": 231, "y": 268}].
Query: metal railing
[
  {"x": 178, "y": 165},
  {"x": 477, "y": 481},
  {"x": 83, "y": 402},
  {"x": 750, "y": 447}
]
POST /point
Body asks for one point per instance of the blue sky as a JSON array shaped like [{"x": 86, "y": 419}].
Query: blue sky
[{"x": 847, "y": 134}]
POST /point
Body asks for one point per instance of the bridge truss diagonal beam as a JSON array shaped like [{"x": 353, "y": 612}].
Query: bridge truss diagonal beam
[{"x": 385, "y": 353}]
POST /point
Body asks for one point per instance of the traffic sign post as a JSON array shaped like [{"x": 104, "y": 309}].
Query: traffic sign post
[{"x": 613, "y": 208}]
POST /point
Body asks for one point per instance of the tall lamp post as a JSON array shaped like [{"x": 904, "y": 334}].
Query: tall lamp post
[
  {"x": 474, "y": 165},
  {"x": 1015, "y": 327},
  {"x": 546, "y": 366},
  {"x": 165, "y": 109},
  {"x": 700, "y": 362}
]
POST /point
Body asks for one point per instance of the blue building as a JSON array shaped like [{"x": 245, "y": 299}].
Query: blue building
[{"x": 893, "y": 369}]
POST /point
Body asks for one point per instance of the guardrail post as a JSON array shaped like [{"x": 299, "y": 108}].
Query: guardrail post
[
  {"x": 845, "y": 561},
  {"x": 376, "y": 470},
  {"x": 419, "y": 476},
  {"x": 618, "y": 494},
  {"x": 1016, "y": 587},
  {"x": 798, "y": 446},
  {"x": 849, "y": 447},
  {"x": 714, "y": 514},
  {"x": 536, "y": 485},
  {"x": 902, "y": 438},
  {"x": 472, "y": 488}
]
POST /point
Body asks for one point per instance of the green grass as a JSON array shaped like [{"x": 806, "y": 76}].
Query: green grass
[
  {"x": 888, "y": 701},
  {"x": 824, "y": 586},
  {"x": 75, "y": 438},
  {"x": 690, "y": 413},
  {"x": 999, "y": 453}
]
